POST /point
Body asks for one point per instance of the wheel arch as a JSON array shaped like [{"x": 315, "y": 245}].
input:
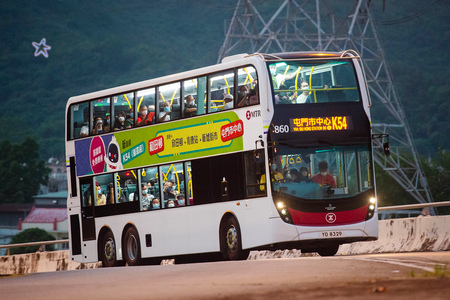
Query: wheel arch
[
  {"x": 124, "y": 231},
  {"x": 223, "y": 220},
  {"x": 102, "y": 232}
]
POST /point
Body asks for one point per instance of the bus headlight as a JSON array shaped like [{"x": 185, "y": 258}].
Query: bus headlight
[
  {"x": 283, "y": 211},
  {"x": 371, "y": 210}
]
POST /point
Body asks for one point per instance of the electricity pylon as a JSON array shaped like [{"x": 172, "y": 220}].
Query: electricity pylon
[{"x": 303, "y": 25}]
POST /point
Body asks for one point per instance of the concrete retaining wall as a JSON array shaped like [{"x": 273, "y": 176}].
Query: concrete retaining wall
[
  {"x": 399, "y": 235},
  {"x": 41, "y": 262},
  {"x": 406, "y": 235}
]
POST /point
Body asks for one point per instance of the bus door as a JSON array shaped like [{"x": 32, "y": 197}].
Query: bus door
[
  {"x": 87, "y": 209},
  {"x": 176, "y": 237}
]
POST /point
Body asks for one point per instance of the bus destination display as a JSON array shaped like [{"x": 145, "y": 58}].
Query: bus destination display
[{"x": 329, "y": 123}]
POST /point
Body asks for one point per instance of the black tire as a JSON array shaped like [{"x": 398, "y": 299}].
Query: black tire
[
  {"x": 328, "y": 251},
  {"x": 132, "y": 247},
  {"x": 232, "y": 242},
  {"x": 108, "y": 250}
]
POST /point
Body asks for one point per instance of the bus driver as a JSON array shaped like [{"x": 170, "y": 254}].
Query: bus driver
[{"x": 323, "y": 177}]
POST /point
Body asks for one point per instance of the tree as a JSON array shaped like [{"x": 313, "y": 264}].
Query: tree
[
  {"x": 389, "y": 191},
  {"x": 437, "y": 171},
  {"x": 21, "y": 171},
  {"x": 31, "y": 235}
]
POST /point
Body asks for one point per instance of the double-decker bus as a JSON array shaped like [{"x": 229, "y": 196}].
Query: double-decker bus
[{"x": 261, "y": 151}]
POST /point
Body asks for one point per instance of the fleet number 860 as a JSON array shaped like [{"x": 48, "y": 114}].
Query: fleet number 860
[{"x": 281, "y": 129}]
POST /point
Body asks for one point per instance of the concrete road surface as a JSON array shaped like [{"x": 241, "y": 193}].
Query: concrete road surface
[{"x": 390, "y": 276}]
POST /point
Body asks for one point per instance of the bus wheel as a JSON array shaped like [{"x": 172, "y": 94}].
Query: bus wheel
[
  {"x": 132, "y": 247},
  {"x": 108, "y": 250},
  {"x": 328, "y": 251},
  {"x": 232, "y": 241}
]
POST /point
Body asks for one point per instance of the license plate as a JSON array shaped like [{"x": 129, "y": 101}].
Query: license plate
[{"x": 332, "y": 234}]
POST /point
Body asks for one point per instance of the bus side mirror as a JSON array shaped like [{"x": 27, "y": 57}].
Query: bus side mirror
[{"x": 387, "y": 152}]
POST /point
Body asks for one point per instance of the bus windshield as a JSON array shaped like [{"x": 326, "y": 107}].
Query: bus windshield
[
  {"x": 322, "y": 172},
  {"x": 298, "y": 82}
]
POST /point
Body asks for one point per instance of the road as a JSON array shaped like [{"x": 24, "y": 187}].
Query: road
[{"x": 381, "y": 276}]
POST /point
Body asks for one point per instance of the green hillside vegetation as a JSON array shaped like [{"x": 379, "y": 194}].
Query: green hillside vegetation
[{"x": 103, "y": 44}]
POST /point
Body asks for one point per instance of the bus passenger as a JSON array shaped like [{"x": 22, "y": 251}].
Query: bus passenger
[
  {"x": 85, "y": 128},
  {"x": 243, "y": 90},
  {"x": 107, "y": 127},
  {"x": 120, "y": 122},
  {"x": 304, "y": 175},
  {"x": 323, "y": 177},
  {"x": 181, "y": 200},
  {"x": 251, "y": 98},
  {"x": 294, "y": 175},
  {"x": 286, "y": 176},
  {"x": 155, "y": 203},
  {"x": 144, "y": 118},
  {"x": 101, "y": 198},
  {"x": 129, "y": 121},
  {"x": 305, "y": 96},
  {"x": 190, "y": 108},
  {"x": 146, "y": 198},
  {"x": 164, "y": 115},
  {"x": 170, "y": 203},
  {"x": 98, "y": 125},
  {"x": 228, "y": 99},
  {"x": 110, "y": 197},
  {"x": 169, "y": 193}
]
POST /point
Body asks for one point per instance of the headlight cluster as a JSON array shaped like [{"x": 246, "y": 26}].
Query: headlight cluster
[
  {"x": 284, "y": 212},
  {"x": 370, "y": 211}
]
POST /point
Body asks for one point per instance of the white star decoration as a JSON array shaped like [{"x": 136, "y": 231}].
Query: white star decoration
[{"x": 41, "y": 48}]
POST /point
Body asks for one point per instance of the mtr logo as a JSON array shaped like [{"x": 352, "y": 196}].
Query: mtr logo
[{"x": 253, "y": 114}]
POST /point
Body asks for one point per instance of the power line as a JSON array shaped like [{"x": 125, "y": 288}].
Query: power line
[{"x": 412, "y": 17}]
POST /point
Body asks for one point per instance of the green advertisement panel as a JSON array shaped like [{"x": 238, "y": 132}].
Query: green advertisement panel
[{"x": 181, "y": 140}]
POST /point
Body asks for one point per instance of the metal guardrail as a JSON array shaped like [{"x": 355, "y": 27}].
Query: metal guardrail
[
  {"x": 42, "y": 244},
  {"x": 412, "y": 206}
]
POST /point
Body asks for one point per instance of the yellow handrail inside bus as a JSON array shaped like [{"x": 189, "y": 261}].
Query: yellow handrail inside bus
[
  {"x": 162, "y": 96},
  {"x": 165, "y": 175},
  {"x": 285, "y": 72},
  {"x": 190, "y": 181},
  {"x": 178, "y": 180},
  {"x": 132, "y": 172},
  {"x": 126, "y": 98},
  {"x": 249, "y": 78},
  {"x": 140, "y": 101},
  {"x": 173, "y": 96},
  {"x": 195, "y": 82},
  {"x": 226, "y": 82},
  {"x": 310, "y": 80},
  {"x": 296, "y": 77},
  {"x": 118, "y": 184}
]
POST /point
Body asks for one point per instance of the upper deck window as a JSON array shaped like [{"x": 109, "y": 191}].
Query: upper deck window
[{"x": 298, "y": 82}]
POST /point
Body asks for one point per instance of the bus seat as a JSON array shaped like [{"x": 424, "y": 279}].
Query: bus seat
[
  {"x": 336, "y": 95},
  {"x": 321, "y": 96},
  {"x": 131, "y": 189},
  {"x": 176, "y": 113},
  {"x": 77, "y": 129}
]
